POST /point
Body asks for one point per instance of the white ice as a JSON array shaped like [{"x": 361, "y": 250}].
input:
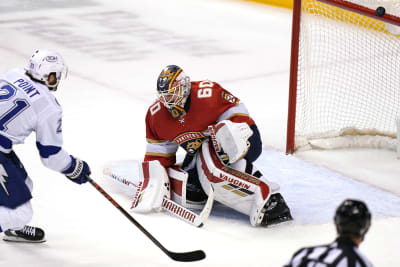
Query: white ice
[{"x": 115, "y": 51}]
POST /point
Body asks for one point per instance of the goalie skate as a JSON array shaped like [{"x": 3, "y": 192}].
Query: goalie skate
[
  {"x": 276, "y": 211},
  {"x": 28, "y": 234}
]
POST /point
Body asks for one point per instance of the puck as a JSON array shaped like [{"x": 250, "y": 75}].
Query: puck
[{"x": 380, "y": 11}]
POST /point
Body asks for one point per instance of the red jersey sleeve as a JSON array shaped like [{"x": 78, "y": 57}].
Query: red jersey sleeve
[{"x": 156, "y": 148}]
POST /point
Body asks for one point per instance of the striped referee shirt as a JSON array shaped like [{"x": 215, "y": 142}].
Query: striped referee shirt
[{"x": 341, "y": 253}]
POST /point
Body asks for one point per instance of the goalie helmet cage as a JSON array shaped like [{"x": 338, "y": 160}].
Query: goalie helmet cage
[{"x": 344, "y": 76}]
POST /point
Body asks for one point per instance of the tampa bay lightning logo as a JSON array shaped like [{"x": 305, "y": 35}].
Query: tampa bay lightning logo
[{"x": 51, "y": 59}]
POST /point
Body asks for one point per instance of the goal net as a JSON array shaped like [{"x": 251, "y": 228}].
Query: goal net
[{"x": 345, "y": 74}]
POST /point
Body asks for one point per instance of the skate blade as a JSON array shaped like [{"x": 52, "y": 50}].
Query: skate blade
[{"x": 21, "y": 240}]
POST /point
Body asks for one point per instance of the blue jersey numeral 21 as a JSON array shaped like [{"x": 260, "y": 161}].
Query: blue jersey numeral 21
[{"x": 19, "y": 106}]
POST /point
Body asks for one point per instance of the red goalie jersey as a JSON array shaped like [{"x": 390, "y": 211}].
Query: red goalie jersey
[{"x": 207, "y": 104}]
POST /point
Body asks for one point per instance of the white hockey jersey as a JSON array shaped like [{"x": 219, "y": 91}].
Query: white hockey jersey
[{"x": 27, "y": 106}]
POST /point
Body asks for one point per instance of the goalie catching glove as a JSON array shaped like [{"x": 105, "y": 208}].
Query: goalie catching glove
[
  {"x": 78, "y": 171},
  {"x": 232, "y": 138}
]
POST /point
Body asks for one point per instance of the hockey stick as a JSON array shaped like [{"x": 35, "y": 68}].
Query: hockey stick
[
  {"x": 177, "y": 256},
  {"x": 172, "y": 207}
]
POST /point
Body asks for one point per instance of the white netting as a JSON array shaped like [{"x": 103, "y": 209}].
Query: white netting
[
  {"x": 391, "y": 6},
  {"x": 348, "y": 76}
]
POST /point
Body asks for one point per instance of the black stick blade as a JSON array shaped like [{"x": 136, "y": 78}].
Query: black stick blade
[{"x": 187, "y": 256}]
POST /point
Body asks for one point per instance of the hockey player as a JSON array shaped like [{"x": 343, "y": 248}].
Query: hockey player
[
  {"x": 27, "y": 105},
  {"x": 186, "y": 114},
  {"x": 352, "y": 220}
]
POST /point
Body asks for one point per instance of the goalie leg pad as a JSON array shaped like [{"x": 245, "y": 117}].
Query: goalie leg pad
[
  {"x": 126, "y": 176},
  {"x": 238, "y": 190},
  {"x": 153, "y": 186},
  {"x": 275, "y": 210},
  {"x": 184, "y": 188},
  {"x": 146, "y": 181},
  {"x": 178, "y": 178},
  {"x": 249, "y": 168}
]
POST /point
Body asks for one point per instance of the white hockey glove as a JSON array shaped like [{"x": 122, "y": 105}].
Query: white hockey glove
[{"x": 232, "y": 138}]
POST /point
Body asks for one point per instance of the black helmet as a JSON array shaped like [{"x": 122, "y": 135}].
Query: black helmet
[{"x": 352, "y": 217}]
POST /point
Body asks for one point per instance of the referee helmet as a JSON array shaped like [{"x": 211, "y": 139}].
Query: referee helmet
[{"x": 352, "y": 217}]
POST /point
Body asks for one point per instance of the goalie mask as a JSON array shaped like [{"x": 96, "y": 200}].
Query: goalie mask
[
  {"x": 47, "y": 67},
  {"x": 173, "y": 88}
]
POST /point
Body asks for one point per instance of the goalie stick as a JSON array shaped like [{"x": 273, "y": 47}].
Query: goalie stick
[
  {"x": 177, "y": 256},
  {"x": 173, "y": 207}
]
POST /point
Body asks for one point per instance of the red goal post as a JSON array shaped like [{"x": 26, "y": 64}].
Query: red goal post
[{"x": 344, "y": 76}]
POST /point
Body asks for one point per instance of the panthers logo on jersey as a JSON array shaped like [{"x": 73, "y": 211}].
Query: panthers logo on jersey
[
  {"x": 190, "y": 141},
  {"x": 192, "y": 147}
]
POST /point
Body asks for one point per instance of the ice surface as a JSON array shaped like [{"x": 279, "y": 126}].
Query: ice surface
[{"x": 115, "y": 50}]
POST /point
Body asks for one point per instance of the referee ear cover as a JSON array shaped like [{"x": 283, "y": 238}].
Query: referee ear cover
[{"x": 352, "y": 217}]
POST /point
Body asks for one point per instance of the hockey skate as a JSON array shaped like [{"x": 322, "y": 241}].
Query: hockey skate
[
  {"x": 276, "y": 211},
  {"x": 28, "y": 234}
]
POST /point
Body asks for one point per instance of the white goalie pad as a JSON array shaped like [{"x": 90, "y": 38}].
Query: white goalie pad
[
  {"x": 235, "y": 189},
  {"x": 126, "y": 175},
  {"x": 147, "y": 181},
  {"x": 152, "y": 187},
  {"x": 232, "y": 137},
  {"x": 178, "y": 178}
]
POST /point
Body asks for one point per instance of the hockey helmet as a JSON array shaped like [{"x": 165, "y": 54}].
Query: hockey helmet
[
  {"x": 352, "y": 217},
  {"x": 45, "y": 62},
  {"x": 173, "y": 87}
]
